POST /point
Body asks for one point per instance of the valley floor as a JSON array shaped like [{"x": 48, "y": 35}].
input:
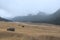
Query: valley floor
[{"x": 30, "y": 31}]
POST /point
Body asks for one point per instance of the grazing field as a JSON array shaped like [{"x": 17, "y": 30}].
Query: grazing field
[{"x": 26, "y": 31}]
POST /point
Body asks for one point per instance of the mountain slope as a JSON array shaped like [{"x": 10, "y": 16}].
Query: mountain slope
[
  {"x": 3, "y": 19},
  {"x": 38, "y": 17},
  {"x": 41, "y": 17},
  {"x": 55, "y": 18}
]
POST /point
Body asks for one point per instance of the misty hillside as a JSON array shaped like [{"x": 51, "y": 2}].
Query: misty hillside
[
  {"x": 40, "y": 17},
  {"x": 55, "y": 18},
  {"x": 3, "y": 19}
]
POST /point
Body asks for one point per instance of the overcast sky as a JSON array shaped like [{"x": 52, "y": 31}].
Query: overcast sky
[{"x": 11, "y": 8}]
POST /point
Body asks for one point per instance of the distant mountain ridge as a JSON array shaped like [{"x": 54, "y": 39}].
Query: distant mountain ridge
[
  {"x": 40, "y": 18},
  {"x": 37, "y": 17},
  {"x": 3, "y": 19}
]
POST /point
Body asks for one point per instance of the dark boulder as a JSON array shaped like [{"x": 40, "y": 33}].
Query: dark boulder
[{"x": 10, "y": 29}]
